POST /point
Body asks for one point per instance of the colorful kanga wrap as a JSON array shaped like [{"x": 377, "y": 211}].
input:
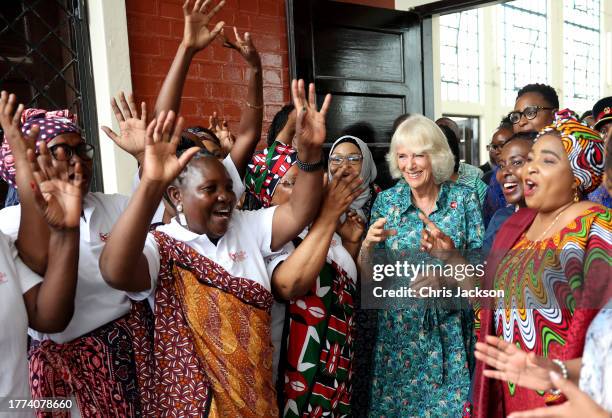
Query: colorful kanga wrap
[
  {"x": 267, "y": 168},
  {"x": 552, "y": 290},
  {"x": 51, "y": 124},
  {"x": 584, "y": 148},
  {"x": 207, "y": 352},
  {"x": 98, "y": 369},
  {"x": 319, "y": 332}
]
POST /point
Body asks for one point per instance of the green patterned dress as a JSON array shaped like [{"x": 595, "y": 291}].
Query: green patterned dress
[{"x": 423, "y": 358}]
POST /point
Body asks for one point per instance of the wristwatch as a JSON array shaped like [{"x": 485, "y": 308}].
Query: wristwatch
[{"x": 310, "y": 167}]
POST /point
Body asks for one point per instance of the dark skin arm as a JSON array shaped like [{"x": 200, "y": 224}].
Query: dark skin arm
[
  {"x": 33, "y": 236},
  {"x": 297, "y": 274},
  {"x": 50, "y": 304},
  {"x": 122, "y": 263},
  {"x": 292, "y": 217}
]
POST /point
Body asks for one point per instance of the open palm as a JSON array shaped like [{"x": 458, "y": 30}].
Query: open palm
[
  {"x": 310, "y": 123},
  {"x": 196, "y": 34},
  {"x": 160, "y": 161},
  {"x": 512, "y": 364},
  {"x": 132, "y": 128},
  {"x": 58, "y": 197},
  {"x": 10, "y": 120}
]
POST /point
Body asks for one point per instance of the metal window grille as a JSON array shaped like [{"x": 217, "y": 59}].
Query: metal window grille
[
  {"x": 459, "y": 56},
  {"x": 581, "y": 30},
  {"x": 523, "y": 49},
  {"x": 45, "y": 60}
]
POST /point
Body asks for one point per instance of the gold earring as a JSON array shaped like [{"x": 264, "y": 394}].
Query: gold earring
[{"x": 576, "y": 197}]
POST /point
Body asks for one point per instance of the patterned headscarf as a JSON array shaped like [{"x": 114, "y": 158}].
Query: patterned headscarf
[
  {"x": 267, "y": 168},
  {"x": 584, "y": 148},
  {"x": 51, "y": 124}
]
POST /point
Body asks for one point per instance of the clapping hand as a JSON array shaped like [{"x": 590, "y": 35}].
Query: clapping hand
[
  {"x": 377, "y": 233},
  {"x": 434, "y": 241},
  {"x": 161, "y": 165},
  {"x": 340, "y": 193},
  {"x": 352, "y": 229},
  {"x": 310, "y": 122},
  {"x": 10, "y": 119},
  {"x": 57, "y": 195},
  {"x": 132, "y": 127},
  {"x": 244, "y": 46},
  {"x": 196, "y": 35},
  {"x": 511, "y": 364}
]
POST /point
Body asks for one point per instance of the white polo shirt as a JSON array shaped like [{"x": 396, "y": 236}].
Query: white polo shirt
[
  {"x": 96, "y": 303},
  {"x": 240, "y": 251},
  {"x": 336, "y": 253},
  {"x": 15, "y": 280},
  {"x": 228, "y": 163}
]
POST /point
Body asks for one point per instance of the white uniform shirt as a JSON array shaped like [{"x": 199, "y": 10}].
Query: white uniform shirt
[
  {"x": 228, "y": 163},
  {"x": 15, "y": 280},
  {"x": 336, "y": 253},
  {"x": 96, "y": 303},
  {"x": 240, "y": 251}
]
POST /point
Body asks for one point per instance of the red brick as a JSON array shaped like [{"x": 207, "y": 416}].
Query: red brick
[
  {"x": 271, "y": 7},
  {"x": 144, "y": 45},
  {"x": 140, "y": 64},
  {"x": 193, "y": 88},
  {"x": 222, "y": 54},
  {"x": 270, "y": 60},
  {"x": 159, "y": 66},
  {"x": 177, "y": 29},
  {"x": 232, "y": 73},
  {"x": 210, "y": 71},
  {"x": 232, "y": 110},
  {"x": 271, "y": 77},
  {"x": 273, "y": 95},
  {"x": 267, "y": 43},
  {"x": 243, "y": 21},
  {"x": 206, "y": 109},
  {"x": 264, "y": 24},
  {"x": 142, "y": 6},
  {"x": 239, "y": 92},
  {"x": 171, "y": 10},
  {"x": 168, "y": 47},
  {"x": 248, "y": 6},
  {"x": 146, "y": 85}
]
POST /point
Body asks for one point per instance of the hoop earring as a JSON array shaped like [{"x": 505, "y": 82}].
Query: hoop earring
[{"x": 180, "y": 216}]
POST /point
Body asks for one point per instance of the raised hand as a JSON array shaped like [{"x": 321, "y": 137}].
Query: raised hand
[
  {"x": 340, "y": 193},
  {"x": 222, "y": 131},
  {"x": 132, "y": 128},
  {"x": 377, "y": 233},
  {"x": 310, "y": 122},
  {"x": 434, "y": 241},
  {"x": 57, "y": 195},
  {"x": 10, "y": 119},
  {"x": 244, "y": 46},
  {"x": 514, "y": 365},
  {"x": 196, "y": 35},
  {"x": 352, "y": 229},
  {"x": 160, "y": 161},
  {"x": 578, "y": 404}
]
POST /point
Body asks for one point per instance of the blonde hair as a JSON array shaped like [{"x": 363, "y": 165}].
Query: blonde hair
[{"x": 422, "y": 136}]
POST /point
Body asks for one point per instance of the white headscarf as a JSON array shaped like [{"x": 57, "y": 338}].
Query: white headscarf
[{"x": 368, "y": 173}]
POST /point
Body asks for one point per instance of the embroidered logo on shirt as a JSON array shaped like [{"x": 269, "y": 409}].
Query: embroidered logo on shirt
[
  {"x": 104, "y": 236},
  {"x": 238, "y": 256},
  {"x": 3, "y": 278},
  {"x": 453, "y": 205},
  {"x": 333, "y": 243}
]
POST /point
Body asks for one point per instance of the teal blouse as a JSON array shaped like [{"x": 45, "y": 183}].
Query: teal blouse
[{"x": 423, "y": 357}]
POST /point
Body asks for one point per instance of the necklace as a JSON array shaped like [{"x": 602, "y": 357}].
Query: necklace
[{"x": 554, "y": 221}]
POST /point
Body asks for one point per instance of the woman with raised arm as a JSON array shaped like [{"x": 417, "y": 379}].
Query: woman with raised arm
[
  {"x": 204, "y": 273},
  {"x": 45, "y": 305},
  {"x": 103, "y": 380},
  {"x": 551, "y": 260},
  {"x": 316, "y": 276}
]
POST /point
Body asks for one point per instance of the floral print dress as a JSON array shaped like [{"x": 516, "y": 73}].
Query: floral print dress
[{"x": 423, "y": 358}]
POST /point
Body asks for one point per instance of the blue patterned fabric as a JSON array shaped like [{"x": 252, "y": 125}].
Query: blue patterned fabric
[
  {"x": 423, "y": 358},
  {"x": 495, "y": 198},
  {"x": 494, "y": 225},
  {"x": 601, "y": 196}
]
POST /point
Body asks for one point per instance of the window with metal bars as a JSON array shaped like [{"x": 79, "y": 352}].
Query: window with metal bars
[{"x": 45, "y": 59}]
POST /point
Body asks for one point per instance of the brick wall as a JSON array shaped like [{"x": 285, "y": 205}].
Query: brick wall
[{"x": 217, "y": 76}]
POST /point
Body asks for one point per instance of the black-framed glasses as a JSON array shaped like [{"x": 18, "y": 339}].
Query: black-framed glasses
[
  {"x": 353, "y": 159},
  {"x": 494, "y": 147},
  {"x": 530, "y": 112},
  {"x": 64, "y": 152}
]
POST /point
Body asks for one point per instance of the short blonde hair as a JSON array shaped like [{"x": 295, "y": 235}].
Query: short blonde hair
[{"x": 422, "y": 136}]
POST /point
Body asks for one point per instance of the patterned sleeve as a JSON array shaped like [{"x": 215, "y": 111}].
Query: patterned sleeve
[
  {"x": 473, "y": 222},
  {"x": 589, "y": 273},
  {"x": 481, "y": 188},
  {"x": 376, "y": 213}
]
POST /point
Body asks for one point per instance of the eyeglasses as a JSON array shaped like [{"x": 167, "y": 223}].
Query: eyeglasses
[
  {"x": 530, "y": 112},
  {"x": 339, "y": 159},
  {"x": 493, "y": 147},
  {"x": 83, "y": 150},
  {"x": 288, "y": 184}
]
